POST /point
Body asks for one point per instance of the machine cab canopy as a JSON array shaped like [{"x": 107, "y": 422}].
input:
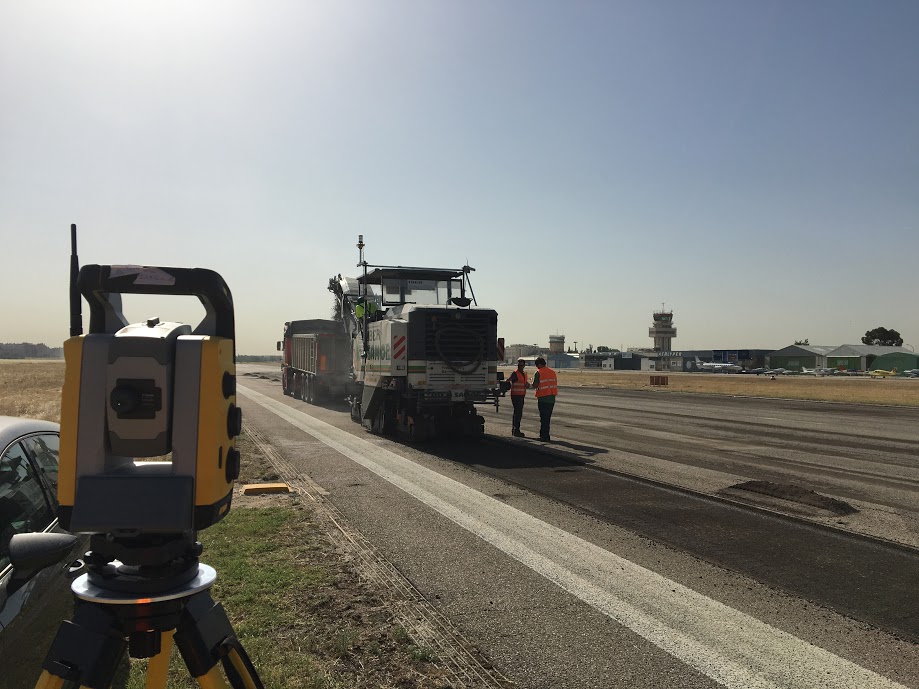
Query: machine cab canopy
[{"x": 395, "y": 286}]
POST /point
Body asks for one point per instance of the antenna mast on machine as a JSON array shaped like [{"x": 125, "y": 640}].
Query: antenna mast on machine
[
  {"x": 362, "y": 263},
  {"x": 466, "y": 270},
  {"x": 360, "y": 251}
]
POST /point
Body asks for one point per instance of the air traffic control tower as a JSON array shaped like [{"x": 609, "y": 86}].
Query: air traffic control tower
[
  {"x": 662, "y": 331},
  {"x": 556, "y": 344}
]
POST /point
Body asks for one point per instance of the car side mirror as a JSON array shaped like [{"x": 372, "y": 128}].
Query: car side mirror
[
  {"x": 32, "y": 552},
  {"x": 279, "y": 345}
]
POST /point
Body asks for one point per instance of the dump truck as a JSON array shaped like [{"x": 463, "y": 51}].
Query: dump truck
[
  {"x": 316, "y": 360},
  {"x": 423, "y": 353}
]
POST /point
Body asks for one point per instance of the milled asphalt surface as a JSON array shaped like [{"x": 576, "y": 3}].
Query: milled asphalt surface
[
  {"x": 540, "y": 636},
  {"x": 865, "y": 455},
  {"x": 817, "y": 564}
]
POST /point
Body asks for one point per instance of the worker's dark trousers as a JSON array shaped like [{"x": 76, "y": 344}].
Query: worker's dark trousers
[
  {"x": 545, "y": 415},
  {"x": 517, "y": 401}
]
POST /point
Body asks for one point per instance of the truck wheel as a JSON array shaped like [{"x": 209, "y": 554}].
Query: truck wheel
[
  {"x": 418, "y": 430},
  {"x": 285, "y": 383},
  {"x": 389, "y": 421},
  {"x": 303, "y": 387},
  {"x": 310, "y": 397},
  {"x": 381, "y": 424}
]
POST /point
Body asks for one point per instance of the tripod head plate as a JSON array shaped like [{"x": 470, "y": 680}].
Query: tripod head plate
[{"x": 83, "y": 589}]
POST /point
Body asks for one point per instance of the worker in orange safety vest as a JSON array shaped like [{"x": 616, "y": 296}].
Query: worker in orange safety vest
[
  {"x": 546, "y": 384},
  {"x": 519, "y": 387}
]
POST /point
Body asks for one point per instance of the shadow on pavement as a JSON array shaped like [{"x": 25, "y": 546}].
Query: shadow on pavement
[
  {"x": 588, "y": 450},
  {"x": 496, "y": 452}
]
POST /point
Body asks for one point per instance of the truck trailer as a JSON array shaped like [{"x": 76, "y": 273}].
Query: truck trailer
[{"x": 316, "y": 360}]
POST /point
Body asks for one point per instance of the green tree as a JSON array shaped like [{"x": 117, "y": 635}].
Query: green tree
[
  {"x": 805, "y": 341},
  {"x": 882, "y": 336}
]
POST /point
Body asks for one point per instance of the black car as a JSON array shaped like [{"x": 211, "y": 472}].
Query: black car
[{"x": 32, "y": 603}]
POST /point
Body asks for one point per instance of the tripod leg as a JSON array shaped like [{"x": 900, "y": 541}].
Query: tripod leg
[
  {"x": 212, "y": 680},
  {"x": 205, "y": 637},
  {"x": 158, "y": 665},
  {"x": 86, "y": 650},
  {"x": 242, "y": 667},
  {"x": 158, "y": 668},
  {"x": 49, "y": 681}
]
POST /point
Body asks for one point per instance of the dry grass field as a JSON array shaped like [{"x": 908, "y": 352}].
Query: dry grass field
[
  {"x": 896, "y": 391},
  {"x": 31, "y": 388}
]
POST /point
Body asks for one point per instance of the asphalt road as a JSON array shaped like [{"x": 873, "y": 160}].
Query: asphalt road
[
  {"x": 863, "y": 455},
  {"x": 618, "y": 558}
]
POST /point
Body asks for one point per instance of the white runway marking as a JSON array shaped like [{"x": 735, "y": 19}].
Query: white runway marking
[{"x": 734, "y": 649}]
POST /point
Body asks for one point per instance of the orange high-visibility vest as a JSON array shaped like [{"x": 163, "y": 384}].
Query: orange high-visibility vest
[
  {"x": 548, "y": 382},
  {"x": 519, "y": 386}
]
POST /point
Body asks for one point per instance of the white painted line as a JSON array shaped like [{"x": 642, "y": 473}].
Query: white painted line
[{"x": 732, "y": 648}]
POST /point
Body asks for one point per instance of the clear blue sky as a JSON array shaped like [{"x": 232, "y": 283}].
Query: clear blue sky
[{"x": 754, "y": 165}]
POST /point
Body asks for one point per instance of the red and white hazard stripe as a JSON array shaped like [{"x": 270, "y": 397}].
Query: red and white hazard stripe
[{"x": 398, "y": 347}]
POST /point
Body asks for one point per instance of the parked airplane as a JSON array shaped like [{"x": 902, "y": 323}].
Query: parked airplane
[
  {"x": 717, "y": 368},
  {"x": 881, "y": 373},
  {"x": 911, "y": 373}
]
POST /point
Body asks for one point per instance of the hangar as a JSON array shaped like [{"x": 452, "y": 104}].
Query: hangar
[
  {"x": 902, "y": 361},
  {"x": 796, "y": 357},
  {"x": 864, "y": 357}
]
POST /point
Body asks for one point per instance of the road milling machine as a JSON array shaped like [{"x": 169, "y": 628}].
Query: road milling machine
[{"x": 423, "y": 352}]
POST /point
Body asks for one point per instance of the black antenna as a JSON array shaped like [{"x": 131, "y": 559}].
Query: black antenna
[{"x": 76, "y": 315}]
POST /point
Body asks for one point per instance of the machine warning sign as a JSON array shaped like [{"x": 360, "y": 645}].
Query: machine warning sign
[{"x": 398, "y": 347}]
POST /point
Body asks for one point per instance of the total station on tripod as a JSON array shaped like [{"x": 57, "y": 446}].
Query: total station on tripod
[
  {"x": 147, "y": 390},
  {"x": 147, "y": 459}
]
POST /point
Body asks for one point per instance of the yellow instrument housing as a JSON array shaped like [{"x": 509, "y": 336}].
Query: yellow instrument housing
[{"x": 101, "y": 491}]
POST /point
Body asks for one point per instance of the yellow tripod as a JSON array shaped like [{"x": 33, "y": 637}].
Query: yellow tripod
[{"x": 88, "y": 648}]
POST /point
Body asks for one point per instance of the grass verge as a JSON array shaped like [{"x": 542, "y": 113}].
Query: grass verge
[{"x": 306, "y": 620}]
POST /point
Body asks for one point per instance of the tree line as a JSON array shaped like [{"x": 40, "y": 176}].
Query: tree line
[
  {"x": 884, "y": 337},
  {"x": 29, "y": 350}
]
